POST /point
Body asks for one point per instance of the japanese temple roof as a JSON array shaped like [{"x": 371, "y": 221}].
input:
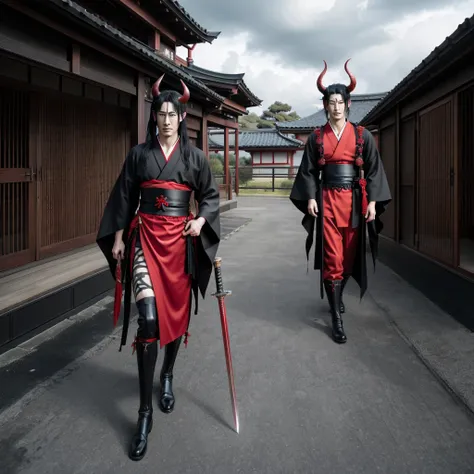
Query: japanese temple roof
[
  {"x": 195, "y": 30},
  {"x": 450, "y": 52},
  {"x": 264, "y": 138},
  {"x": 361, "y": 104},
  {"x": 145, "y": 51},
  {"x": 224, "y": 84}
]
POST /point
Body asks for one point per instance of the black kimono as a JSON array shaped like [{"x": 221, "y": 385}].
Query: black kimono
[{"x": 149, "y": 198}]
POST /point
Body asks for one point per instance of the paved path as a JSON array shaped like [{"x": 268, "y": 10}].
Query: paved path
[{"x": 306, "y": 404}]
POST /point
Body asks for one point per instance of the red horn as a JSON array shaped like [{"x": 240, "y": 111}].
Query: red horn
[
  {"x": 186, "y": 94},
  {"x": 353, "y": 82},
  {"x": 320, "y": 79},
  {"x": 155, "y": 90}
]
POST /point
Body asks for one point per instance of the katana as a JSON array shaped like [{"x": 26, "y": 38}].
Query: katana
[{"x": 220, "y": 294}]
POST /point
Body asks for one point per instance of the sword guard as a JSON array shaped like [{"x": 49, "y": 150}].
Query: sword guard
[{"x": 222, "y": 294}]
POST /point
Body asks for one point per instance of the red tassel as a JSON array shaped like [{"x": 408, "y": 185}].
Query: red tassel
[
  {"x": 187, "y": 335},
  {"x": 365, "y": 202},
  {"x": 118, "y": 292}
]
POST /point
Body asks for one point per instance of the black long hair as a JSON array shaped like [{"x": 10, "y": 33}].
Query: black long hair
[{"x": 151, "y": 139}]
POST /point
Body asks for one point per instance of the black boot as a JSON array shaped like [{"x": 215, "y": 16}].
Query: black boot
[
  {"x": 333, "y": 292},
  {"x": 166, "y": 401},
  {"x": 147, "y": 351},
  {"x": 343, "y": 285}
]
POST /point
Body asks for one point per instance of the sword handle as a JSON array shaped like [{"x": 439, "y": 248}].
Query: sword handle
[{"x": 218, "y": 275}]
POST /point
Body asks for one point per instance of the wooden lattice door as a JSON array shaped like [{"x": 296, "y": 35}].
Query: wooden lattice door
[{"x": 17, "y": 181}]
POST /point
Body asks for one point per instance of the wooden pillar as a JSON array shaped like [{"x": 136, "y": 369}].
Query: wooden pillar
[
  {"x": 138, "y": 134},
  {"x": 227, "y": 183},
  {"x": 204, "y": 137},
  {"x": 75, "y": 63},
  {"x": 236, "y": 147},
  {"x": 154, "y": 40}
]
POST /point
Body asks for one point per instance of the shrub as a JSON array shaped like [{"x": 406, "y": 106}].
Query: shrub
[{"x": 217, "y": 167}]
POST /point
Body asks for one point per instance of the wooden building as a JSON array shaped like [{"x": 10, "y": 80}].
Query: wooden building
[
  {"x": 268, "y": 149},
  {"x": 227, "y": 85},
  {"x": 75, "y": 93},
  {"x": 361, "y": 104},
  {"x": 426, "y": 141}
]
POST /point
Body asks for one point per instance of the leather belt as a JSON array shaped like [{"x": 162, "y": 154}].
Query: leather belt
[
  {"x": 339, "y": 176},
  {"x": 165, "y": 202}
]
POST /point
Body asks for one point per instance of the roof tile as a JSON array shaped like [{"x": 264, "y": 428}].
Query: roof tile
[
  {"x": 361, "y": 104},
  {"x": 263, "y": 138}
]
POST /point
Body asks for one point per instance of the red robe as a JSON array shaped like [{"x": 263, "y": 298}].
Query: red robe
[
  {"x": 340, "y": 237},
  {"x": 164, "y": 250}
]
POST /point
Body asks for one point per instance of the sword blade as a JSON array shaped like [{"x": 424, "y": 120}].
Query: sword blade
[{"x": 228, "y": 360}]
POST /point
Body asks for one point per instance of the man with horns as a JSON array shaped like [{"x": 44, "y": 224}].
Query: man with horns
[
  {"x": 148, "y": 229},
  {"x": 341, "y": 184}
]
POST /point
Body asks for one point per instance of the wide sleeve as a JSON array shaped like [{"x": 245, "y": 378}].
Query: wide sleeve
[
  {"x": 305, "y": 185},
  {"x": 377, "y": 184},
  {"x": 207, "y": 197},
  {"x": 120, "y": 207},
  {"x": 377, "y": 189}
]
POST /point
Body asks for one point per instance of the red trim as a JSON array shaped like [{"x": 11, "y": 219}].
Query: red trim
[
  {"x": 167, "y": 157},
  {"x": 257, "y": 158},
  {"x": 158, "y": 183}
]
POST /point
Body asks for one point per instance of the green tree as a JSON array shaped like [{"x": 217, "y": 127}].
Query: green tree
[
  {"x": 280, "y": 112},
  {"x": 276, "y": 112},
  {"x": 249, "y": 122},
  {"x": 278, "y": 106}
]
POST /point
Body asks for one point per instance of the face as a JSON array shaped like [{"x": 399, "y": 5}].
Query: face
[
  {"x": 168, "y": 120},
  {"x": 336, "y": 107}
]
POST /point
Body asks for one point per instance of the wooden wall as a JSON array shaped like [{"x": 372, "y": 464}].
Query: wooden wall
[
  {"x": 435, "y": 166},
  {"x": 16, "y": 191},
  {"x": 431, "y": 178},
  {"x": 466, "y": 165},
  {"x": 81, "y": 148},
  {"x": 387, "y": 148},
  {"x": 407, "y": 177},
  {"x": 59, "y": 158}
]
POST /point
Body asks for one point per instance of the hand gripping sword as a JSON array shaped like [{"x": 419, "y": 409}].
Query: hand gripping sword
[{"x": 220, "y": 294}]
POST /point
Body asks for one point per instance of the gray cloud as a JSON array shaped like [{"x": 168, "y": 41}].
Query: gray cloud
[
  {"x": 334, "y": 35},
  {"x": 347, "y": 30}
]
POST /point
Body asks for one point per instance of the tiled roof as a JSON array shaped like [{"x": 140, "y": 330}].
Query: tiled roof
[
  {"x": 454, "y": 47},
  {"x": 265, "y": 138},
  {"x": 191, "y": 22},
  {"x": 145, "y": 51},
  {"x": 211, "y": 78},
  {"x": 361, "y": 104}
]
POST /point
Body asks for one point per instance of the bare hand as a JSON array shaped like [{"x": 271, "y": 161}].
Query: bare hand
[
  {"x": 370, "y": 214},
  {"x": 313, "y": 207},
  {"x": 118, "y": 250},
  {"x": 193, "y": 228}
]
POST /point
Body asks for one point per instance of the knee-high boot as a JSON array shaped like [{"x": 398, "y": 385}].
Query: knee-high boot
[
  {"x": 167, "y": 400},
  {"x": 147, "y": 352},
  {"x": 343, "y": 285},
  {"x": 333, "y": 292}
]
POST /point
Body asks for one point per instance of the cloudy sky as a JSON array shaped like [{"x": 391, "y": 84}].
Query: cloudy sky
[{"x": 281, "y": 44}]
